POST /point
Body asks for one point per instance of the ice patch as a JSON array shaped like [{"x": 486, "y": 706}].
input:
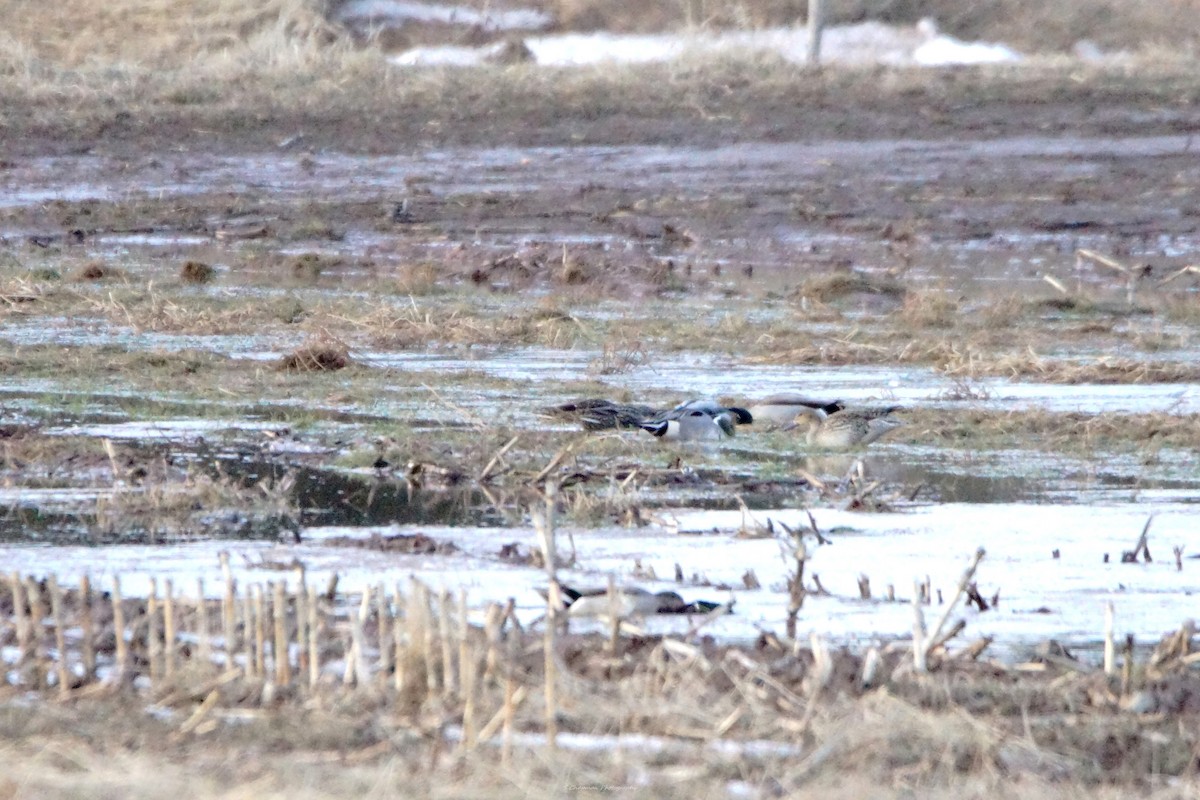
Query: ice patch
[
  {"x": 394, "y": 13},
  {"x": 865, "y": 43}
]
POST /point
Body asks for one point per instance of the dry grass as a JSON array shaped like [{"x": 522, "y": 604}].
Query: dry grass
[
  {"x": 325, "y": 354},
  {"x": 842, "y": 285},
  {"x": 772, "y": 716},
  {"x": 1026, "y": 24},
  {"x": 1050, "y": 431},
  {"x": 95, "y": 271},
  {"x": 197, "y": 272},
  {"x": 154, "y": 34},
  {"x": 221, "y": 72},
  {"x": 453, "y": 321}
]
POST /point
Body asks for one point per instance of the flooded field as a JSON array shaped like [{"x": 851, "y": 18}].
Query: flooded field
[
  {"x": 290, "y": 505},
  {"x": 1050, "y": 400}
]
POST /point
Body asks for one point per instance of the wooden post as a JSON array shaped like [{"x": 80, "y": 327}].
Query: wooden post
[
  {"x": 614, "y": 616},
  {"x": 398, "y": 622},
  {"x": 24, "y": 633},
  {"x": 449, "y": 680},
  {"x": 283, "y": 661},
  {"x": 357, "y": 667},
  {"x": 37, "y": 615},
  {"x": 247, "y": 641},
  {"x": 260, "y": 631},
  {"x": 314, "y": 643},
  {"x": 553, "y": 606},
  {"x": 816, "y": 26},
  {"x": 169, "y": 632},
  {"x": 383, "y": 613},
  {"x": 433, "y": 679},
  {"x": 301, "y": 625},
  {"x": 466, "y": 671},
  {"x": 491, "y": 628},
  {"x": 510, "y": 692},
  {"x": 203, "y": 633},
  {"x": 920, "y": 661},
  {"x": 87, "y": 623},
  {"x": 228, "y": 612},
  {"x": 152, "y": 643},
  {"x": 463, "y": 633},
  {"x": 60, "y": 636},
  {"x": 121, "y": 659}
]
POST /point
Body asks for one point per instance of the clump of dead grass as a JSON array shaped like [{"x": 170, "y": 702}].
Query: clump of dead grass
[
  {"x": 323, "y": 354},
  {"x": 307, "y": 267},
  {"x": 95, "y": 271},
  {"x": 197, "y": 272},
  {"x": 930, "y": 308},
  {"x": 417, "y": 279},
  {"x": 848, "y": 284}
]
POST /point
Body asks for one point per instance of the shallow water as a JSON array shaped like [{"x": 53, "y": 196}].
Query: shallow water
[{"x": 761, "y": 183}]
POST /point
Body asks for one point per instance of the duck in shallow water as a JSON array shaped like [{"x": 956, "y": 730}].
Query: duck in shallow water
[
  {"x": 598, "y": 414},
  {"x": 850, "y": 427},
  {"x": 690, "y": 420},
  {"x": 779, "y": 410},
  {"x": 697, "y": 420},
  {"x": 632, "y": 602},
  {"x": 693, "y": 426}
]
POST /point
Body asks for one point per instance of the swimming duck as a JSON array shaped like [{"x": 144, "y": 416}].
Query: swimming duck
[
  {"x": 846, "y": 428},
  {"x": 632, "y": 601},
  {"x": 781, "y": 409}
]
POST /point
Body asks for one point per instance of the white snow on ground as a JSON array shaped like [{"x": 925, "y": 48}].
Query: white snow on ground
[
  {"x": 394, "y": 13},
  {"x": 865, "y": 43}
]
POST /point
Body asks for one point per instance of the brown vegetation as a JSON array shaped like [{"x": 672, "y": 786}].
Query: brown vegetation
[
  {"x": 197, "y": 272},
  {"x": 403, "y": 678},
  {"x": 324, "y": 355}
]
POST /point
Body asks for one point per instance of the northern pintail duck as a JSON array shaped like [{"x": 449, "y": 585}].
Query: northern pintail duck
[
  {"x": 597, "y": 414},
  {"x": 693, "y": 419},
  {"x": 631, "y": 602},
  {"x": 693, "y": 426},
  {"x": 740, "y": 416},
  {"x": 849, "y": 427},
  {"x": 698, "y": 420},
  {"x": 781, "y": 409}
]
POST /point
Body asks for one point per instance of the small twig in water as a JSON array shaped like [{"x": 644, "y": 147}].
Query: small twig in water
[{"x": 1142, "y": 546}]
